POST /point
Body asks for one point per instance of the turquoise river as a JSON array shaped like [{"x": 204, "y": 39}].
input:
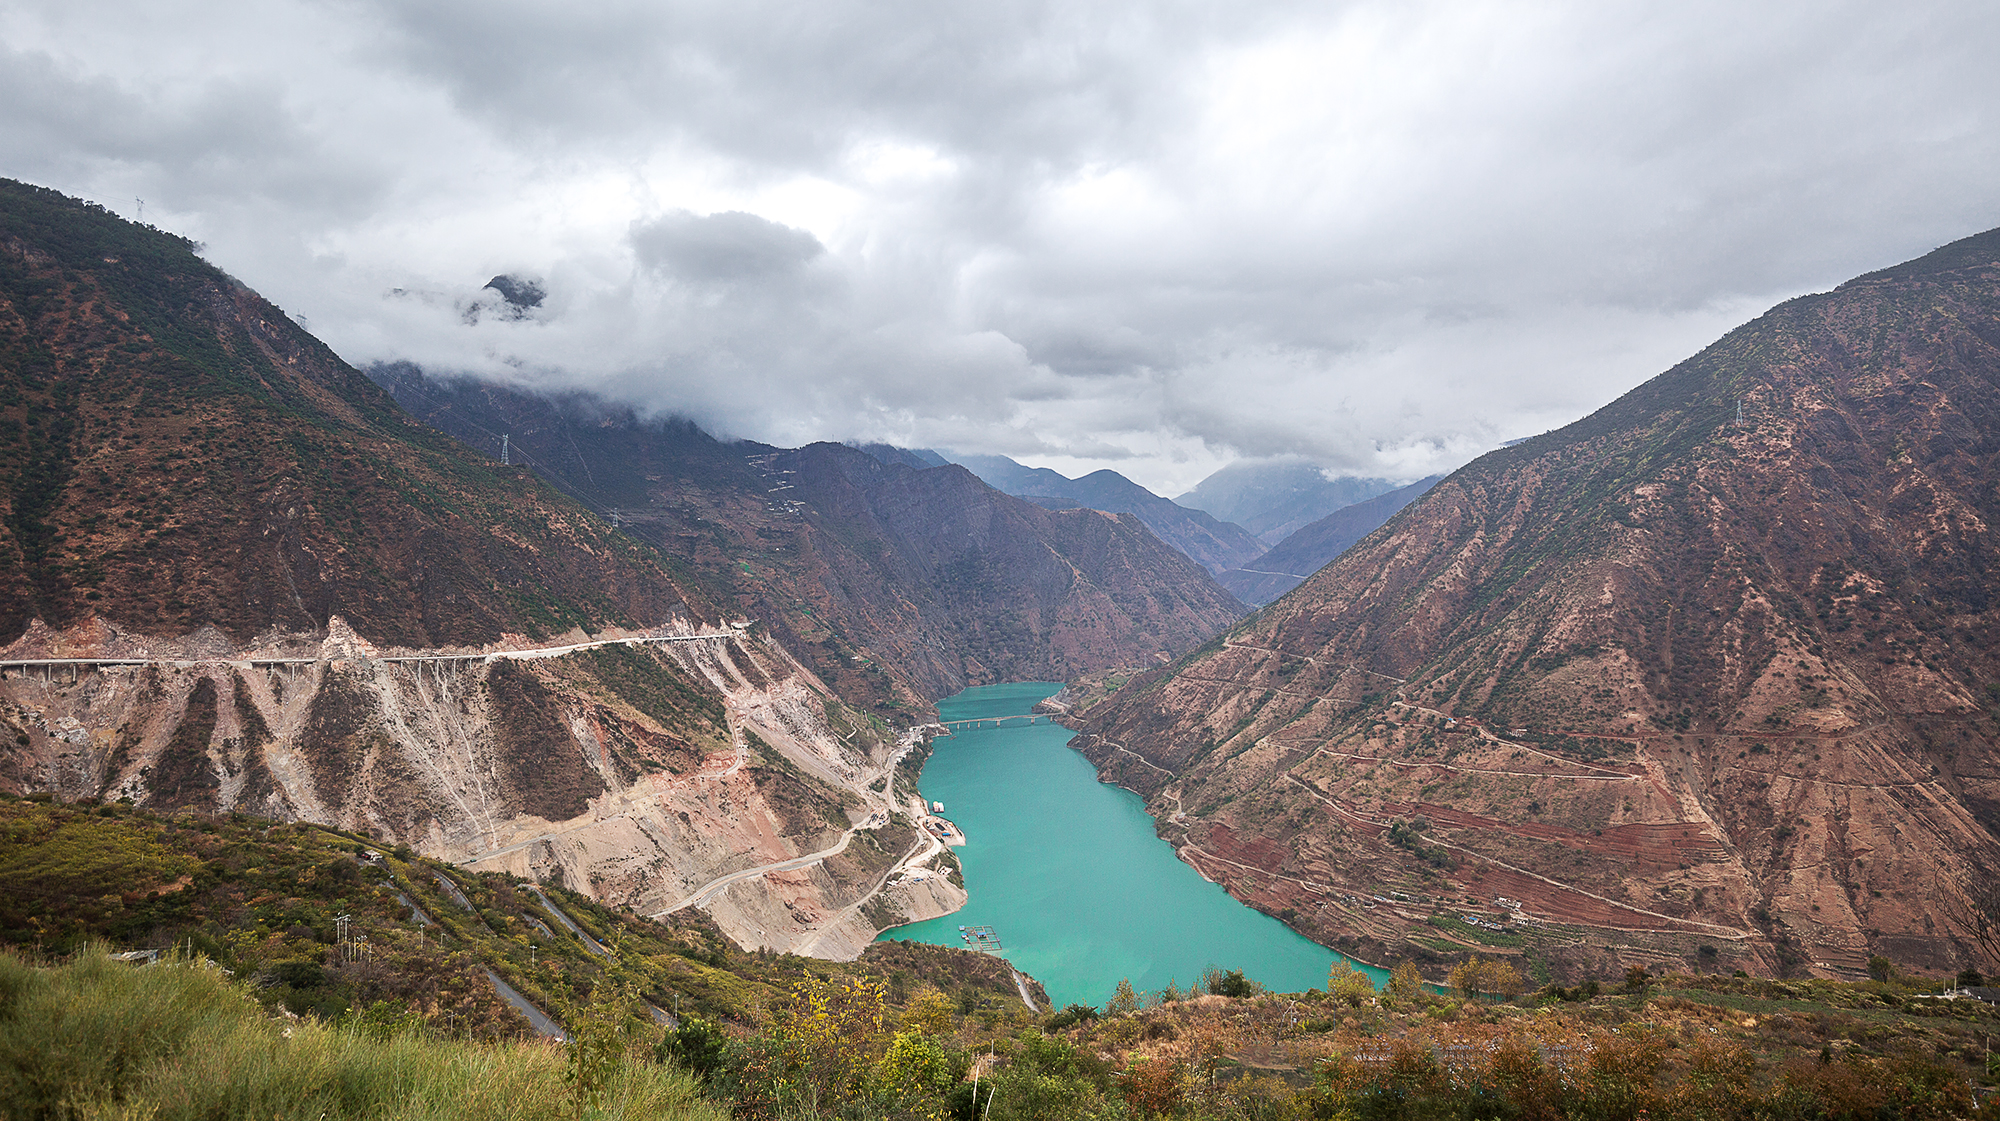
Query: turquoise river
[{"x": 1070, "y": 875}]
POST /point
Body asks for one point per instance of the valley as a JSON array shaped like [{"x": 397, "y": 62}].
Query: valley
[
  {"x": 1700, "y": 681},
  {"x": 238, "y": 577}
]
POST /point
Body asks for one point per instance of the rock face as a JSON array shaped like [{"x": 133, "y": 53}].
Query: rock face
[
  {"x": 896, "y": 582},
  {"x": 243, "y": 578},
  {"x": 637, "y": 770},
  {"x": 1664, "y": 685},
  {"x": 1305, "y": 552}
]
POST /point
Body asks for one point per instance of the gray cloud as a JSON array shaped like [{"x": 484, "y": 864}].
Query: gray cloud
[
  {"x": 1382, "y": 235},
  {"x": 732, "y": 246}
]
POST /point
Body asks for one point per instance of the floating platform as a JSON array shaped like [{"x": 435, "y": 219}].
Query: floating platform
[{"x": 981, "y": 938}]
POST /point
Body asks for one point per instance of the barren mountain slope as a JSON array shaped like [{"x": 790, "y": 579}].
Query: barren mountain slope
[
  {"x": 178, "y": 454},
  {"x": 227, "y": 539},
  {"x": 1662, "y": 684},
  {"x": 897, "y": 584}
]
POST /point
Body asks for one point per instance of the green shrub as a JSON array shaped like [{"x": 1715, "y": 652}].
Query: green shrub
[{"x": 179, "y": 1041}]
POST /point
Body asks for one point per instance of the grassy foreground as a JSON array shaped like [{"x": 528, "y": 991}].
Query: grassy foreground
[{"x": 98, "y": 1039}]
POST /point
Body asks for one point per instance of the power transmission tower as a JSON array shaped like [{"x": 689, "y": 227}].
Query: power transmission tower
[{"x": 504, "y": 461}]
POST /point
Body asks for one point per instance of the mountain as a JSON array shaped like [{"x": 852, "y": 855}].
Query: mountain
[
  {"x": 235, "y": 575},
  {"x": 919, "y": 458},
  {"x": 897, "y": 583},
  {"x": 179, "y": 454},
  {"x": 1215, "y": 545},
  {"x": 1663, "y": 686},
  {"x": 1310, "y": 547},
  {"x": 1274, "y": 498}
]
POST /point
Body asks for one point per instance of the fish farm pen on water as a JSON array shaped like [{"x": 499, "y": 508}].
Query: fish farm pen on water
[{"x": 981, "y": 938}]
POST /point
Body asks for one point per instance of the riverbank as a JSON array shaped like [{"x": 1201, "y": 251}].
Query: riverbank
[{"x": 1070, "y": 874}]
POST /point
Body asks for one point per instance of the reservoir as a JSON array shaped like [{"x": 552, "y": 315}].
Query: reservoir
[{"x": 1070, "y": 875}]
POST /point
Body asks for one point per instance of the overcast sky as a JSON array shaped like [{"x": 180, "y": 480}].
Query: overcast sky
[{"x": 1153, "y": 236}]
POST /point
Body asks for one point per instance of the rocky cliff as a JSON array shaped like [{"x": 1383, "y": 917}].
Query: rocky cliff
[{"x": 1705, "y": 678}]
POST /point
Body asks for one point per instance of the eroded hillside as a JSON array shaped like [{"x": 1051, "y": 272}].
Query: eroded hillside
[
  {"x": 1665, "y": 685},
  {"x": 265, "y": 587}
]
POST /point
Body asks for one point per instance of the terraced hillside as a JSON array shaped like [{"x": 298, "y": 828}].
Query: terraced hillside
[{"x": 1706, "y": 678}]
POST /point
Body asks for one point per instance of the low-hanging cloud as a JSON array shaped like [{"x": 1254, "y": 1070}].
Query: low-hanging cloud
[
  {"x": 731, "y": 246},
  {"x": 1382, "y": 235}
]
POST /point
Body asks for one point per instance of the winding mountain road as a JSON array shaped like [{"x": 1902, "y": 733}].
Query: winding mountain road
[
  {"x": 432, "y": 656},
  {"x": 708, "y": 890}
]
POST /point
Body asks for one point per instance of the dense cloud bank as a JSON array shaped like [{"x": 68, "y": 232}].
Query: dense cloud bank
[{"x": 1385, "y": 236}]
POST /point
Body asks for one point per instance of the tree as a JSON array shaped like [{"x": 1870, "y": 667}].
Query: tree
[
  {"x": 914, "y": 1074},
  {"x": 1465, "y": 976},
  {"x": 1348, "y": 985},
  {"x": 930, "y": 1013},
  {"x": 698, "y": 1044},
  {"x": 829, "y": 1033},
  {"x": 1405, "y": 983},
  {"x": 1496, "y": 978},
  {"x": 1153, "y": 1086},
  {"x": 1501, "y": 978},
  {"x": 1123, "y": 999},
  {"x": 1228, "y": 982}
]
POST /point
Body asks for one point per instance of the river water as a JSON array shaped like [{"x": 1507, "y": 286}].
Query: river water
[{"x": 1070, "y": 875}]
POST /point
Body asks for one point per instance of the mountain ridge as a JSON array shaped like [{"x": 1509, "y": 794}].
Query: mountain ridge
[
  {"x": 1706, "y": 684},
  {"x": 271, "y": 589},
  {"x": 1273, "y": 499},
  {"x": 845, "y": 555},
  {"x": 1307, "y": 549},
  {"x": 1214, "y": 544}
]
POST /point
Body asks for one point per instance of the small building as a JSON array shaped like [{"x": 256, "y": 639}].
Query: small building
[{"x": 937, "y": 807}]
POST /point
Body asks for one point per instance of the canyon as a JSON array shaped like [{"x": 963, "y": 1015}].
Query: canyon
[{"x": 237, "y": 576}]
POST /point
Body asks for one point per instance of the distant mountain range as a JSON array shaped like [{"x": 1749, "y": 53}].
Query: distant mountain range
[
  {"x": 1708, "y": 679},
  {"x": 1215, "y": 545},
  {"x": 1276, "y": 495},
  {"x": 1312, "y": 546},
  {"x": 1275, "y": 498}
]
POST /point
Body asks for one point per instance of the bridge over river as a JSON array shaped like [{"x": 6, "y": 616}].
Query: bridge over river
[{"x": 951, "y": 726}]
